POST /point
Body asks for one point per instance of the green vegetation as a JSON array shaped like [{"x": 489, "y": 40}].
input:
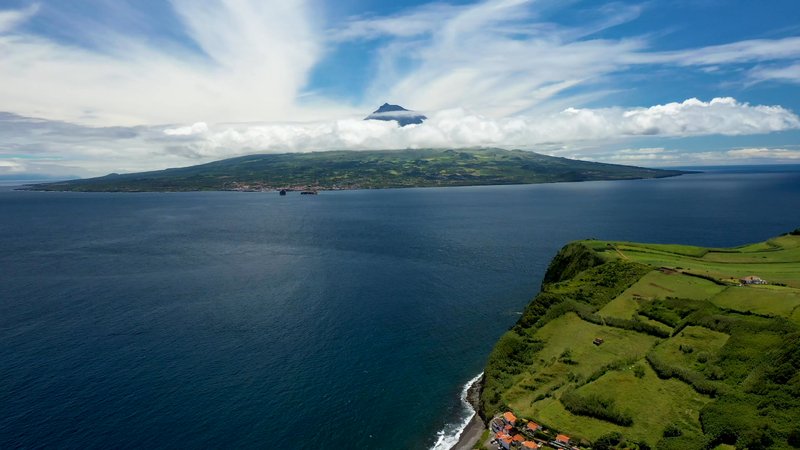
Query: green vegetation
[
  {"x": 364, "y": 170},
  {"x": 597, "y": 406},
  {"x": 659, "y": 346}
]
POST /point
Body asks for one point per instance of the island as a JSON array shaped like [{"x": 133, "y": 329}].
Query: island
[
  {"x": 651, "y": 346},
  {"x": 374, "y": 169}
]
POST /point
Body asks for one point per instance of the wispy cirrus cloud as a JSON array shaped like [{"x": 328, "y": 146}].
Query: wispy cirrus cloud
[
  {"x": 249, "y": 61},
  {"x": 500, "y": 58},
  {"x": 662, "y": 157},
  {"x": 491, "y": 72},
  {"x": 747, "y": 51},
  {"x": 11, "y": 19},
  {"x": 790, "y": 73}
]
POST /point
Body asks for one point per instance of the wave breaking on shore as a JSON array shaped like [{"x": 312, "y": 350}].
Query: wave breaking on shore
[{"x": 448, "y": 437}]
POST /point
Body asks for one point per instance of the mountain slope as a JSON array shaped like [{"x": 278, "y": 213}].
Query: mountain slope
[
  {"x": 364, "y": 170},
  {"x": 397, "y": 113},
  {"x": 687, "y": 357}
]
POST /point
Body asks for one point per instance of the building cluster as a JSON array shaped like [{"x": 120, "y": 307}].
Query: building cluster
[
  {"x": 752, "y": 279},
  {"x": 513, "y": 433}
]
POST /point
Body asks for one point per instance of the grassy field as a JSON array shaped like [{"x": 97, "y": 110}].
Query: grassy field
[
  {"x": 689, "y": 358},
  {"x": 773, "y": 300},
  {"x": 775, "y": 260},
  {"x": 692, "y": 348},
  {"x": 653, "y": 402},
  {"x": 657, "y": 284}
]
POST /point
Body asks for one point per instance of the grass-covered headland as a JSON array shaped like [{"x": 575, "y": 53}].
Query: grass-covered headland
[
  {"x": 659, "y": 346},
  {"x": 363, "y": 170}
]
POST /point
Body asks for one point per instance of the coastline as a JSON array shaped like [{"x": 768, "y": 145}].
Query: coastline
[
  {"x": 471, "y": 434},
  {"x": 467, "y": 433},
  {"x": 41, "y": 187},
  {"x": 474, "y": 429}
]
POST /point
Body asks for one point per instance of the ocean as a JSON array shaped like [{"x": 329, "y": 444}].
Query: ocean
[{"x": 350, "y": 319}]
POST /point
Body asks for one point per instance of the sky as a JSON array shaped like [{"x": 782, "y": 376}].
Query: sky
[{"x": 90, "y": 87}]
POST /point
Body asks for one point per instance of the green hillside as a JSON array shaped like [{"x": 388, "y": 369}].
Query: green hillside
[
  {"x": 690, "y": 358},
  {"x": 364, "y": 170}
]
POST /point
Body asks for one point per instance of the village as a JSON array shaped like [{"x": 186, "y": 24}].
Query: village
[{"x": 509, "y": 432}]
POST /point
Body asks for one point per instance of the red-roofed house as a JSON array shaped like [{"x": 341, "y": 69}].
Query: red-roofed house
[
  {"x": 518, "y": 438},
  {"x": 510, "y": 418},
  {"x": 533, "y": 426},
  {"x": 530, "y": 445},
  {"x": 497, "y": 424},
  {"x": 563, "y": 439},
  {"x": 503, "y": 439}
]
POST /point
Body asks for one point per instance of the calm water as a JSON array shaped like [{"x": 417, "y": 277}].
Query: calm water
[{"x": 349, "y": 319}]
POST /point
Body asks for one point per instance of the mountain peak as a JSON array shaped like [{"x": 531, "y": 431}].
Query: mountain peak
[
  {"x": 397, "y": 113},
  {"x": 386, "y": 107}
]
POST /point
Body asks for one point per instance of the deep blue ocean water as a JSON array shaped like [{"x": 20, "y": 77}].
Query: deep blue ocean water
[{"x": 343, "y": 320}]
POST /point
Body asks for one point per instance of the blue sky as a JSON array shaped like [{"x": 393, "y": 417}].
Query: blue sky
[{"x": 93, "y": 86}]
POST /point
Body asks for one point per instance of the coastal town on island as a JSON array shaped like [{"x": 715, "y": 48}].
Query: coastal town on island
[{"x": 507, "y": 432}]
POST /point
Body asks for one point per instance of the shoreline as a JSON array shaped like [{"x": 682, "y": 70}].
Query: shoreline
[
  {"x": 474, "y": 429},
  {"x": 471, "y": 434},
  {"x": 41, "y": 187},
  {"x": 471, "y": 428}
]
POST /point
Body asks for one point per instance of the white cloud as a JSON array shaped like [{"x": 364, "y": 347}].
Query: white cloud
[
  {"x": 256, "y": 56},
  {"x": 491, "y": 73},
  {"x": 498, "y": 58},
  {"x": 661, "y": 157},
  {"x": 99, "y": 150},
  {"x": 459, "y": 128},
  {"x": 764, "y": 153},
  {"x": 422, "y": 20},
  {"x": 754, "y": 50},
  {"x": 10, "y": 166},
  {"x": 492, "y": 57},
  {"x": 11, "y": 19},
  {"x": 197, "y": 128},
  {"x": 789, "y": 73}
]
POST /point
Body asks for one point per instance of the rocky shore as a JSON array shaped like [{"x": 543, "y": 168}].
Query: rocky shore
[{"x": 474, "y": 429}]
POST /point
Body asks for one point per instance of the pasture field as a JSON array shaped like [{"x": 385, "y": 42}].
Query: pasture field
[
  {"x": 687, "y": 358},
  {"x": 771, "y": 300}
]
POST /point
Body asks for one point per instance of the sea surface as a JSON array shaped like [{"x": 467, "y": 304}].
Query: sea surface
[{"x": 344, "y": 320}]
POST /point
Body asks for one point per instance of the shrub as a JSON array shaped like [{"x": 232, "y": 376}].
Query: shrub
[
  {"x": 595, "y": 406},
  {"x": 794, "y": 438},
  {"x": 694, "y": 379},
  {"x": 614, "y": 365},
  {"x": 634, "y": 325},
  {"x": 638, "y": 371},
  {"x": 672, "y": 430},
  {"x": 702, "y": 357},
  {"x": 570, "y": 261},
  {"x": 608, "y": 441}
]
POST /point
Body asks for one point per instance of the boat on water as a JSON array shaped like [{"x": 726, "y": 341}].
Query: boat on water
[{"x": 308, "y": 192}]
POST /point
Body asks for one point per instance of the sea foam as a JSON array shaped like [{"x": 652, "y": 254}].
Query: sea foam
[{"x": 448, "y": 437}]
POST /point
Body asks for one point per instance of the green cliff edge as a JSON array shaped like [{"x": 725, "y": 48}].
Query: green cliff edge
[{"x": 658, "y": 346}]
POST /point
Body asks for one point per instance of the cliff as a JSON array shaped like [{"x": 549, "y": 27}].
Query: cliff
[{"x": 633, "y": 345}]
